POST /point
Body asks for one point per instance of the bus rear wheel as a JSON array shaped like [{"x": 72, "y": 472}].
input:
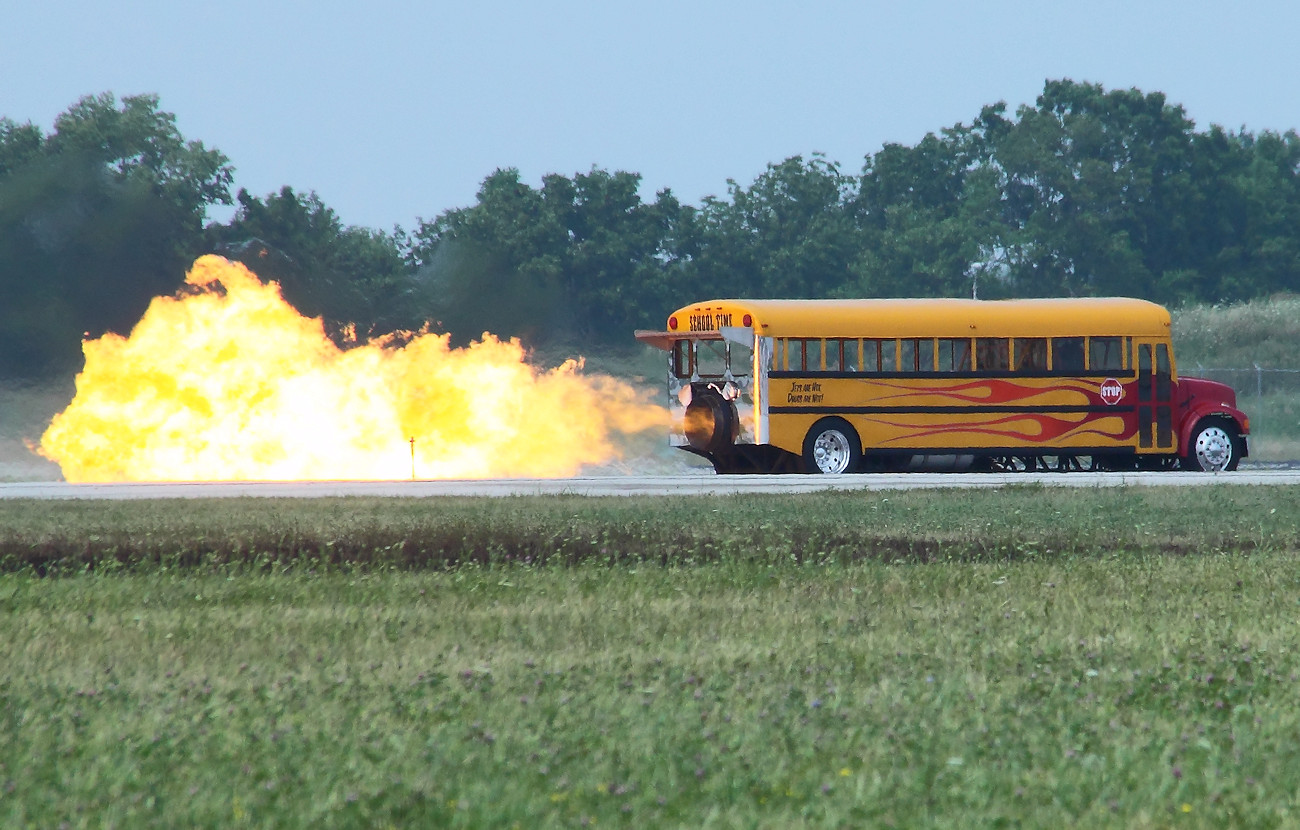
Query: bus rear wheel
[
  {"x": 1215, "y": 447},
  {"x": 831, "y": 448}
]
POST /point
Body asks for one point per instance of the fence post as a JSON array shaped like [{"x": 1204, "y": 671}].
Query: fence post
[{"x": 1259, "y": 381}]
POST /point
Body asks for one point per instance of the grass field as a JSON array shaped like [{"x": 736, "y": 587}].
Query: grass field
[
  {"x": 1264, "y": 332},
  {"x": 1022, "y": 657}
]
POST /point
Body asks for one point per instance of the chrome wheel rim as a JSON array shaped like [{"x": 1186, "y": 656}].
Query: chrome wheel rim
[
  {"x": 1214, "y": 449},
  {"x": 831, "y": 452}
]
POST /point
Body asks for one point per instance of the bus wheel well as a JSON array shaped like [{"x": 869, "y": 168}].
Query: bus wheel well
[{"x": 832, "y": 446}]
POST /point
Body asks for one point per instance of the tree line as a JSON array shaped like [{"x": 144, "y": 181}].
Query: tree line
[{"x": 1086, "y": 192}]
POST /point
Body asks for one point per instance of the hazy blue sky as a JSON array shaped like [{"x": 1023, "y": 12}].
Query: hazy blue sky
[{"x": 398, "y": 110}]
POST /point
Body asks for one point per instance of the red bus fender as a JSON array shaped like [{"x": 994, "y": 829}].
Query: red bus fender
[{"x": 1197, "y": 414}]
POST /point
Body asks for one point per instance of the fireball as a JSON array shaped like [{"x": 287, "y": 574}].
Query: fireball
[{"x": 227, "y": 381}]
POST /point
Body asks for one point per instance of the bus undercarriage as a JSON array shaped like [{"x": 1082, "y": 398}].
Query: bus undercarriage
[{"x": 748, "y": 459}]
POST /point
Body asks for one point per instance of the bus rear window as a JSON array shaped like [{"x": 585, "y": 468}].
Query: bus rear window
[
  {"x": 711, "y": 358},
  {"x": 742, "y": 359},
  {"x": 708, "y": 359},
  {"x": 683, "y": 359}
]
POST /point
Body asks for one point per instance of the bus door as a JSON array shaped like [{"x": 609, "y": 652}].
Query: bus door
[{"x": 1155, "y": 397}]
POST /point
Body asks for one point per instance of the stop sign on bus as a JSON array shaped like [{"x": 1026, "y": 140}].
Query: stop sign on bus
[{"x": 1111, "y": 391}]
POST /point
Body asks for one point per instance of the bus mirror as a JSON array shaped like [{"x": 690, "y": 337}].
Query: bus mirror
[{"x": 730, "y": 391}]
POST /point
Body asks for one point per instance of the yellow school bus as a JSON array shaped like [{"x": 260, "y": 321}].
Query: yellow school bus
[{"x": 837, "y": 386}]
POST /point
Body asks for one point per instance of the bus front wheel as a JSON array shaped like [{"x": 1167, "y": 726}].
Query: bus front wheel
[
  {"x": 831, "y": 448},
  {"x": 1215, "y": 447}
]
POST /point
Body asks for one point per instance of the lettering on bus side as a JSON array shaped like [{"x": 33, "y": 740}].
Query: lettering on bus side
[
  {"x": 810, "y": 392},
  {"x": 709, "y": 322}
]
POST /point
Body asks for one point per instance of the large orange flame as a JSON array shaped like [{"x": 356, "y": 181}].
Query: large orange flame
[{"x": 229, "y": 382}]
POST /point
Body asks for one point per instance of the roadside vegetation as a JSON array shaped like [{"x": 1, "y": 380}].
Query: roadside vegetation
[
  {"x": 1022, "y": 522},
  {"x": 1265, "y": 331},
  {"x": 1027, "y": 657},
  {"x": 1255, "y": 348}
]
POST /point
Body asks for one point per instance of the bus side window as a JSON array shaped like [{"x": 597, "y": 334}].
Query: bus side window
[
  {"x": 954, "y": 355},
  {"x": 792, "y": 355},
  {"x": 889, "y": 356},
  {"x": 1105, "y": 354},
  {"x": 830, "y": 355},
  {"x": 916, "y": 355},
  {"x": 1067, "y": 354},
  {"x": 992, "y": 354},
  {"x": 682, "y": 354},
  {"x": 846, "y": 351},
  {"x": 907, "y": 355},
  {"x": 871, "y": 356},
  {"x": 1030, "y": 354}
]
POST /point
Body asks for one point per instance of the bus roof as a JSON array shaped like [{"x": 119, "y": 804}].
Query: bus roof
[{"x": 1106, "y": 316}]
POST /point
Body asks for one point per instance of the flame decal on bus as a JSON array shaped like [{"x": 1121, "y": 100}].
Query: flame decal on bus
[
  {"x": 1049, "y": 428},
  {"x": 989, "y": 391}
]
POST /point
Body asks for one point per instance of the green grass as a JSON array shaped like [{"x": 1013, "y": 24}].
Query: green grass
[
  {"x": 1027, "y": 657},
  {"x": 1274, "y": 426},
  {"x": 1020, "y": 522}
]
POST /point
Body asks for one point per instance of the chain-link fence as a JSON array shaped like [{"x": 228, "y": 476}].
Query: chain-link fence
[{"x": 1256, "y": 381}]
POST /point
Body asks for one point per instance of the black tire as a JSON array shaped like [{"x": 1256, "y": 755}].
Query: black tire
[
  {"x": 832, "y": 447},
  {"x": 1216, "y": 447},
  {"x": 710, "y": 422}
]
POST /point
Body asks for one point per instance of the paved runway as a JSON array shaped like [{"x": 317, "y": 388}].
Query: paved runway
[{"x": 688, "y": 484}]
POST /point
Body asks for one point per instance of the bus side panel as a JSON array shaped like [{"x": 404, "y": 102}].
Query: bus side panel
[{"x": 931, "y": 413}]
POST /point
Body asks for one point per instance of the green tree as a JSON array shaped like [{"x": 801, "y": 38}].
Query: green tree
[
  {"x": 494, "y": 266},
  {"x": 1247, "y": 214},
  {"x": 928, "y": 215},
  {"x": 788, "y": 234},
  {"x": 1093, "y": 185},
  {"x": 96, "y": 219},
  {"x": 581, "y": 257},
  {"x": 19, "y": 144}
]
